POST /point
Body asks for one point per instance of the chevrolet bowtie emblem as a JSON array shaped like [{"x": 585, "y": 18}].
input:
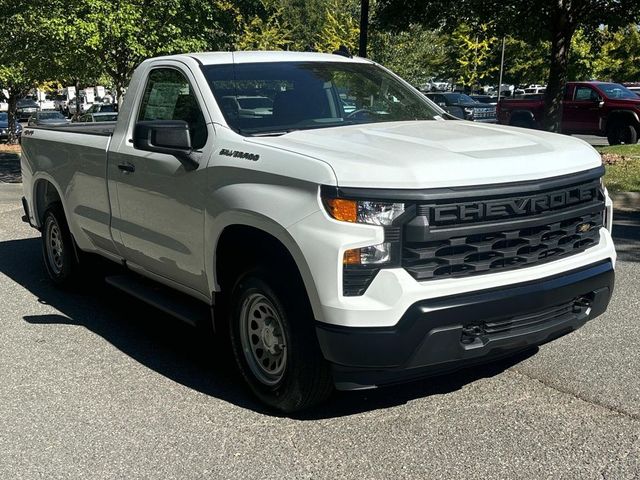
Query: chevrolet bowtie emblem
[{"x": 583, "y": 227}]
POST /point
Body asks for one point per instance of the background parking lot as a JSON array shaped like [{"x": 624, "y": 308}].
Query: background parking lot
[{"x": 97, "y": 385}]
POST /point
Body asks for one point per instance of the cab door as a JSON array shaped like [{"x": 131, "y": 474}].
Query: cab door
[
  {"x": 581, "y": 114},
  {"x": 159, "y": 218}
]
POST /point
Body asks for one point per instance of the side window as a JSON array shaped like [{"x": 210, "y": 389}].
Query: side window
[
  {"x": 169, "y": 96},
  {"x": 585, "y": 94}
]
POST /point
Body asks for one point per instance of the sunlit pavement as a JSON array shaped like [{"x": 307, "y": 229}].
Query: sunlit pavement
[{"x": 96, "y": 385}]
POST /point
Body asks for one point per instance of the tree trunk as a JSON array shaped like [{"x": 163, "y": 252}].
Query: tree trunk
[
  {"x": 78, "y": 107},
  {"x": 562, "y": 32},
  {"x": 12, "y": 138}
]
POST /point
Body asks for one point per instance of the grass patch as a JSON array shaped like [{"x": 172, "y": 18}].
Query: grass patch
[{"x": 622, "y": 163}]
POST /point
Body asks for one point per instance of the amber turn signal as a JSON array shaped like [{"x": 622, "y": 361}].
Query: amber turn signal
[
  {"x": 351, "y": 257},
  {"x": 341, "y": 209}
]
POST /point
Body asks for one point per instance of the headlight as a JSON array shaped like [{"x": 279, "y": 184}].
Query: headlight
[
  {"x": 468, "y": 113},
  {"x": 369, "y": 212}
]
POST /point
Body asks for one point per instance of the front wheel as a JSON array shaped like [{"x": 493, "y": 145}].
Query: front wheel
[{"x": 274, "y": 344}]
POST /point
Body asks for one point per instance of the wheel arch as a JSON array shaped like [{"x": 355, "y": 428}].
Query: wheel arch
[
  {"x": 238, "y": 233},
  {"x": 625, "y": 115},
  {"x": 45, "y": 192}
]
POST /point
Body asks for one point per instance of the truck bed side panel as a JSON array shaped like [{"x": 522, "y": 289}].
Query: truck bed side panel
[{"x": 75, "y": 163}]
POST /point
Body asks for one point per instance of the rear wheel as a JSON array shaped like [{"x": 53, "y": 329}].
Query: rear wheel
[
  {"x": 521, "y": 121},
  {"x": 274, "y": 343},
  {"x": 58, "y": 251},
  {"x": 622, "y": 133}
]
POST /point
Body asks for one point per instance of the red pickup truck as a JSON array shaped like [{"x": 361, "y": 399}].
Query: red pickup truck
[{"x": 594, "y": 108}]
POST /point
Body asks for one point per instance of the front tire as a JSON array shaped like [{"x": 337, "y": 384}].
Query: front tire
[
  {"x": 58, "y": 251},
  {"x": 274, "y": 343}
]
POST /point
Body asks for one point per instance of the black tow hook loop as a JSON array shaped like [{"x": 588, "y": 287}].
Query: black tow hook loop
[{"x": 470, "y": 333}]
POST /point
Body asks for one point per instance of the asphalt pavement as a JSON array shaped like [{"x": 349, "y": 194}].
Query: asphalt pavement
[{"x": 97, "y": 385}]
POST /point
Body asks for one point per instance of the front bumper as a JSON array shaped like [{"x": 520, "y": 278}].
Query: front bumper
[{"x": 448, "y": 333}]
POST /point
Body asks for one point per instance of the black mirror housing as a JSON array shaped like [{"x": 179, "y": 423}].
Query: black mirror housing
[{"x": 171, "y": 137}]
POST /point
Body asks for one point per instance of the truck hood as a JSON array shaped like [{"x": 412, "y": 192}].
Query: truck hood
[{"x": 432, "y": 154}]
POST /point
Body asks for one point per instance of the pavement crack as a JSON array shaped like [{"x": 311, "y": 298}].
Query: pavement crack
[{"x": 612, "y": 409}]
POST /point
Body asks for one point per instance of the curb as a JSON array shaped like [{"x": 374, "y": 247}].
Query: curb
[{"x": 627, "y": 201}]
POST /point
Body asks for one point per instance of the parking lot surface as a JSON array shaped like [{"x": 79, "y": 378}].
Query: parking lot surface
[{"x": 97, "y": 385}]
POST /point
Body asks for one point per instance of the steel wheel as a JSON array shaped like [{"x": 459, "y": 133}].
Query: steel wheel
[
  {"x": 55, "y": 247},
  {"x": 263, "y": 339}
]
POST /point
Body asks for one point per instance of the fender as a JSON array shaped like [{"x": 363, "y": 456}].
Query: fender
[
  {"x": 267, "y": 225},
  {"x": 621, "y": 113}
]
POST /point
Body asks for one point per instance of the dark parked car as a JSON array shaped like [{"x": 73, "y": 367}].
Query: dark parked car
[
  {"x": 4, "y": 127},
  {"x": 463, "y": 106},
  {"x": 25, "y": 108},
  {"x": 48, "y": 118}
]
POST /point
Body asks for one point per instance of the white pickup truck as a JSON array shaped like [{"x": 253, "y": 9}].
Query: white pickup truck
[{"x": 350, "y": 235}]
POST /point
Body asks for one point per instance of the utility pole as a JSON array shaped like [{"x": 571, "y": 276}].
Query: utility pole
[
  {"x": 501, "y": 69},
  {"x": 364, "y": 27}
]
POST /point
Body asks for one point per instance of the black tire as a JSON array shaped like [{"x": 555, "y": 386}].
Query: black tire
[
  {"x": 58, "y": 251},
  {"x": 302, "y": 379},
  {"x": 622, "y": 133},
  {"x": 521, "y": 121}
]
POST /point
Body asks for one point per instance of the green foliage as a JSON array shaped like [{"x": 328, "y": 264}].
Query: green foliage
[
  {"x": 339, "y": 28},
  {"x": 270, "y": 33},
  {"x": 619, "y": 55},
  {"x": 525, "y": 63},
  {"x": 417, "y": 54},
  {"x": 472, "y": 50}
]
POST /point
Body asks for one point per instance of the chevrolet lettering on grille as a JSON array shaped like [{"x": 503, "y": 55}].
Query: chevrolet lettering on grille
[{"x": 493, "y": 209}]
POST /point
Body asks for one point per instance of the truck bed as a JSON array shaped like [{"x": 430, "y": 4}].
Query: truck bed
[{"x": 100, "y": 128}]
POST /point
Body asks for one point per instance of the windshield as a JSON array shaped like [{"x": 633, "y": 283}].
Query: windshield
[
  {"x": 3, "y": 117},
  {"x": 286, "y": 96},
  {"x": 107, "y": 117},
  {"x": 459, "y": 98},
  {"x": 50, "y": 115},
  {"x": 615, "y": 90}
]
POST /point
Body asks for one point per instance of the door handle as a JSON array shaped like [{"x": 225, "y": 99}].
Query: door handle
[{"x": 127, "y": 167}]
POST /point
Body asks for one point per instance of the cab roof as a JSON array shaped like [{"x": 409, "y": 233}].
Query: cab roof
[{"x": 211, "y": 58}]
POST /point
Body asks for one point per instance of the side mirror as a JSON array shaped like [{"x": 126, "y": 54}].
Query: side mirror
[{"x": 171, "y": 137}]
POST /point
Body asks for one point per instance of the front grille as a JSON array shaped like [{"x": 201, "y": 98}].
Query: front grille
[{"x": 501, "y": 232}]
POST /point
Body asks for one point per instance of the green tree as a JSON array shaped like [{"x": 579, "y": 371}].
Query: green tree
[
  {"x": 471, "y": 49},
  {"x": 417, "y": 54},
  {"x": 532, "y": 20},
  {"x": 340, "y": 27},
  {"x": 619, "y": 55},
  {"x": 268, "y": 30}
]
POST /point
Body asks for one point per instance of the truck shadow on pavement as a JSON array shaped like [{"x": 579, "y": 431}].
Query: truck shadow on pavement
[
  {"x": 184, "y": 354},
  {"x": 10, "y": 168},
  {"x": 626, "y": 235}
]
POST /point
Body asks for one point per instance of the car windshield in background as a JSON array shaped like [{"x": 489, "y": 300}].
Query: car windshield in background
[
  {"x": 26, "y": 103},
  {"x": 615, "y": 91},
  {"x": 275, "y": 98},
  {"x": 459, "y": 98},
  {"x": 50, "y": 116},
  {"x": 4, "y": 117},
  {"x": 105, "y": 117}
]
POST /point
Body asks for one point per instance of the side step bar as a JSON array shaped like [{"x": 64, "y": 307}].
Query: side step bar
[{"x": 176, "y": 304}]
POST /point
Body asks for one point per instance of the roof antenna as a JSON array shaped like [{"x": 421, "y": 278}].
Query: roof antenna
[{"x": 344, "y": 51}]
